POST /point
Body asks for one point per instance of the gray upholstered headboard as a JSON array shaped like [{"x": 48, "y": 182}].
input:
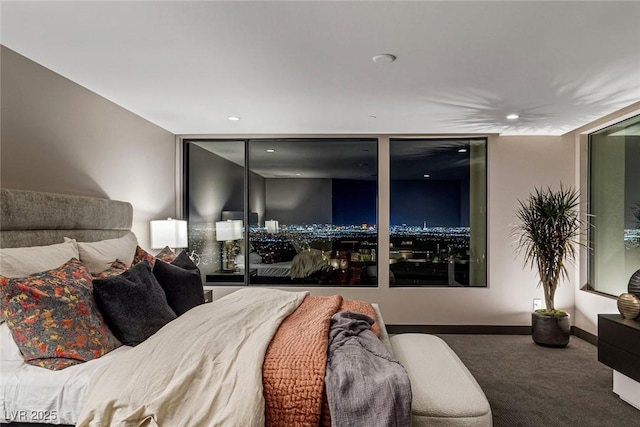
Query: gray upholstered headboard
[{"x": 32, "y": 218}]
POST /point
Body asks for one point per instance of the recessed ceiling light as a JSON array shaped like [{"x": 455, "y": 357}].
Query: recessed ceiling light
[
  {"x": 234, "y": 118},
  {"x": 298, "y": 174},
  {"x": 513, "y": 116},
  {"x": 384, "y": 58},
  {"x": 426, "y": 175},
  {"x": 372, "y": 117},
  {"x": 462, "y": 150},
  {"x": 270, "y": 150}
]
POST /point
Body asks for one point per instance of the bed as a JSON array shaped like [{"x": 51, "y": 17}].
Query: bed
[
  {"x": 306, "y": 267},
  {"x": 258, "y": 356},
  {"x": 276, "y": 269}
]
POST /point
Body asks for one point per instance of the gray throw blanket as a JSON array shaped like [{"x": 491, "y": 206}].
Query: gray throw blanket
[{"x": 365, "y": 384}]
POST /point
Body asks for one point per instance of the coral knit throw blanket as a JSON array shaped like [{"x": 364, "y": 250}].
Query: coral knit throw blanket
[{"x": 295, "y": 362}]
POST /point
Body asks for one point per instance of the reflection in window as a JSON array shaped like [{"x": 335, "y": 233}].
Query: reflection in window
[
  {"x": 215, "y": 205},
  {"x": 316, "y": 206},
  {"x": 309, "y": 206},
  {"x": 438, "y": 212},
  {"x": 614, "y": 206}
]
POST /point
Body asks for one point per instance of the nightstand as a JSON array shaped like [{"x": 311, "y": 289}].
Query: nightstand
[
  {"x": 619, "y": 348},
  {"x": 229, "y": 276}
]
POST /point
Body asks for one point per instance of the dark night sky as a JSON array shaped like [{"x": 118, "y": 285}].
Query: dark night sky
[
  {"x": 354, "y": 202},
  {"x": 437, "y": 202},
  {"x": 412, "y": 203}
]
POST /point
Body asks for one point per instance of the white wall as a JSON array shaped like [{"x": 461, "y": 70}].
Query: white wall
[{"x": 60, "y": 137}]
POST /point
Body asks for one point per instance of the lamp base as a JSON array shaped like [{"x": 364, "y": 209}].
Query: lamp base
[{"x": 228, "y": 263}]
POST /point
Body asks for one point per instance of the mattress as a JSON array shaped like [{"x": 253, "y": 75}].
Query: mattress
[
  {"x": 277, "y": 269},
  {"x": 33, "y": 394}
]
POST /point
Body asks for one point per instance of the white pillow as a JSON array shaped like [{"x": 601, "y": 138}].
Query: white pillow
[
  {"x": 22, "y": 262},
  {"x": 9, "y": 351},
  {"x": 98, "y": 256}
]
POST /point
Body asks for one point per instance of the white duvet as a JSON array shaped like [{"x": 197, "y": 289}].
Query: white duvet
[{"x": 202, "y": 369}]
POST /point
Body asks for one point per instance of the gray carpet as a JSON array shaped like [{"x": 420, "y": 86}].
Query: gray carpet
[{"x": 529, "y": 385}]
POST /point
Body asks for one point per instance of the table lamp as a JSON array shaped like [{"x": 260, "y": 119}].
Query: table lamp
[
  {"x": 272, "y": 226},
  {"x": 228, "y": 232},
  {"x": 169, "y": 232}
]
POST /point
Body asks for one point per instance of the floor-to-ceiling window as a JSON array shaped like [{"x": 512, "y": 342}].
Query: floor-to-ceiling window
[
  {"x": 438, "y": 212},
  {"x": 614, "y": 206}
]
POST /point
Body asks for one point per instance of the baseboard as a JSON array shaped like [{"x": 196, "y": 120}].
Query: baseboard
[
  {"x": 584, "y": 335},
  {"x": 459, "y": 329},
  {"x": 481, "y": 329}
]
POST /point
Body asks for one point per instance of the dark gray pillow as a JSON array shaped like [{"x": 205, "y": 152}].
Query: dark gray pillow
[
  {"x": 133, "y": 304},
  {"x": 181, "y": 282}
]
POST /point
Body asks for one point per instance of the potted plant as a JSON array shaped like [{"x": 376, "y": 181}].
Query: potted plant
[{"x": 548, "y": 232}]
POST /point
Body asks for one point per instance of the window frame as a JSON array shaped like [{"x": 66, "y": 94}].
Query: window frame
[
  {"x": 185, "y": 144},
  {"x": 382, "y": 189},
  {"x": 588, "y": 253},
  {"x": 485, "y": 223}
]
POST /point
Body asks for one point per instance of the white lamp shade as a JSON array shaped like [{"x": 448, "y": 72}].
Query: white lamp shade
[
  {"x": 272, "y": 226},
  {"x": 169, "y": 232},
  {"x": 229, "y": 230}
]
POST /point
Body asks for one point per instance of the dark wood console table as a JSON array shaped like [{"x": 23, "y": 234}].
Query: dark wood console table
[{"x": 619, "y": 348}]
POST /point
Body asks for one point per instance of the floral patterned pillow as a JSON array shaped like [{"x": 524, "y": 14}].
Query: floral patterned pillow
[
  {"x": 142, "y": 255},
  {"x": 117, "y": 268},
  {"x": 166, "y": 255},
  {"x": 53, "y": 317}
]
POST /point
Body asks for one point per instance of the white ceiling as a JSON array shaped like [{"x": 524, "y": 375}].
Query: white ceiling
[{"x": 306, "y": 67}]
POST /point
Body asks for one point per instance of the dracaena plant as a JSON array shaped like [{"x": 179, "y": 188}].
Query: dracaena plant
[{"x": 548, "y": 234}]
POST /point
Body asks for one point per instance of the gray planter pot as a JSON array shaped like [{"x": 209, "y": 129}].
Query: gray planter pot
[{"x": 549, "y": 331}]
